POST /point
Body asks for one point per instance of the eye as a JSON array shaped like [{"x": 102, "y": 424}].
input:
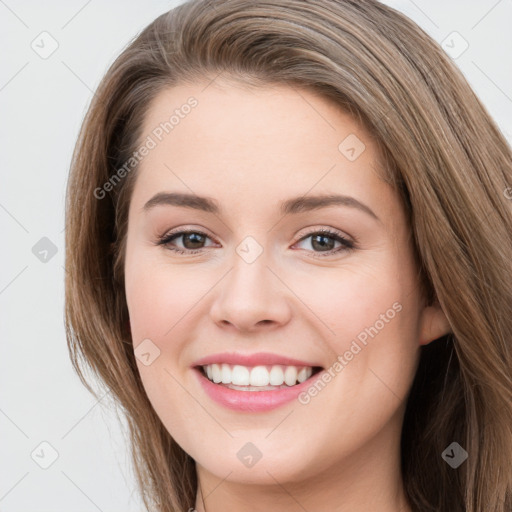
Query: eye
[
  {"x": 324, "y": 240},
  {"x": 192, "y": 241}
]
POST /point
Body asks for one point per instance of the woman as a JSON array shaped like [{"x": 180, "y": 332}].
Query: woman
[{"x": 288, "y": 253}]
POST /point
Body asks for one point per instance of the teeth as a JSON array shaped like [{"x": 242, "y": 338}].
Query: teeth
[
  {"x": 241, "y": 375},
  {"x": 290, "y": 375},
  {"x": 216, "y": 375},
  {"x": 303, "y": 375},
  {"x": 276, "y": 376},
  {"x": 225, "y": 373},
  {"x": 259, "y": 376}
]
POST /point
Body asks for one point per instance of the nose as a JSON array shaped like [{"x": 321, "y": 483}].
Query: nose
[{"x": 251, "y": 298}]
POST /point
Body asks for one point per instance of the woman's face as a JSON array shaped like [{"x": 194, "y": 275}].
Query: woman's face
[{"x": 257, "y": 276}]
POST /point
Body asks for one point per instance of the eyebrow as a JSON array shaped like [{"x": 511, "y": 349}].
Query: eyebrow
[{"x": 290, "y": 206}]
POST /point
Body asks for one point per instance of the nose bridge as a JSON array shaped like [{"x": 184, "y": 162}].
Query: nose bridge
[
  {"x": 249, "y": 282},
  {"x": 250, "y": 293},
  {"x": 249, "y": 275}
]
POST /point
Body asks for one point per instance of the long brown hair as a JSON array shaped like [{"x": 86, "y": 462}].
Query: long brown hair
[{"x": 443, "y": 153}]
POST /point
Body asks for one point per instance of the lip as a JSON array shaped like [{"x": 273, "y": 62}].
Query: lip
[
  {"x": 252, "y": 401},
  {"x": 260, "y": 358}
]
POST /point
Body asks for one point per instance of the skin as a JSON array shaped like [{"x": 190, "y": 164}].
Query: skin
[{"x": 249, "y": 149}]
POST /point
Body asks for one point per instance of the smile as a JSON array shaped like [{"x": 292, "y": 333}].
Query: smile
[
  {"x": 250, "y": 398},
  {"x": 257, "y": 378}
]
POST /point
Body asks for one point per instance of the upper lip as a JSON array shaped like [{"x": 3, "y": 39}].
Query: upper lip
[{"x": 260, "y": 358}]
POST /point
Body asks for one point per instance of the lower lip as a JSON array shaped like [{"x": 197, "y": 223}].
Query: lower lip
[{"x": 251, "y": 401}]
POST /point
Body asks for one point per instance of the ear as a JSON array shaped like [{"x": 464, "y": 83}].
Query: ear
[{"x": 433, "y": 324}]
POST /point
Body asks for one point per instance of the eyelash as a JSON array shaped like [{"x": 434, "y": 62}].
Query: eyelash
[{"x": 346, "y": 245}]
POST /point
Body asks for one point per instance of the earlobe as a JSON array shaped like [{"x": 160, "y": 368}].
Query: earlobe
[{"x": 434, "y": 324}]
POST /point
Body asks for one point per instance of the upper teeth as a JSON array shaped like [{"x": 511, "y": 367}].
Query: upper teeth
[{"x": 258, "y": 375}]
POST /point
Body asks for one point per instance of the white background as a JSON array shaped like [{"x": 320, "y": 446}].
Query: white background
[{"x": 42, "y": 104}]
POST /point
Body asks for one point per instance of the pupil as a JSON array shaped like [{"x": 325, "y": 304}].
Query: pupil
[
  {"x": 197, "y": 236},
  {"x": 323, "y": 238}
]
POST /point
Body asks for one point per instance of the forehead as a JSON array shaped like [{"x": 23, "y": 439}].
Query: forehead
[
  {"x": 246, "y": 115},
  {"x": 253, "y": 144}
]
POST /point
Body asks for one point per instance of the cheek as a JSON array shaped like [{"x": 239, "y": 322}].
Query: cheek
[
  {"x": 158, "y": 296},
  {"x": 369, "y": 315},
  {"x": 372, "y": 316},
  {"x": 357, "y": 297}
]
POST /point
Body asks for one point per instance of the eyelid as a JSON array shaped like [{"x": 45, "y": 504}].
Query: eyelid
[
  {"x": 328, "y": 230},
  {"x": 187, "y": 229}
]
